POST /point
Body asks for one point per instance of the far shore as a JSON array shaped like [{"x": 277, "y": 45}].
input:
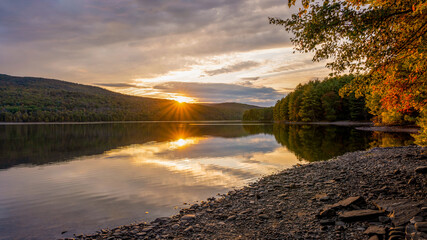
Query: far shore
[{"x": 364, "y": 126}]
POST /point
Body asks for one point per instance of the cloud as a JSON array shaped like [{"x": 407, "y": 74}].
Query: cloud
[
  {"x": 118, "y": 85},
  {"x": 222, "y": 92},
  {"x": 233, "y": 68},
  {"x": 104, "y": 40},
  {"x": 250, "y": 78}
]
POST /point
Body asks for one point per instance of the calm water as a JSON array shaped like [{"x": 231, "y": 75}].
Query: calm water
[{"x": 80, "y": 178}]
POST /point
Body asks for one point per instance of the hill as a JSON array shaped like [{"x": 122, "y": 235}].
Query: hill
[{"x": 28, "y": 99}]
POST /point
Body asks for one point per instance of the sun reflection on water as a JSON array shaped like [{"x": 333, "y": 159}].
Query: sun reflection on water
[{"x": 181, "y": 143}]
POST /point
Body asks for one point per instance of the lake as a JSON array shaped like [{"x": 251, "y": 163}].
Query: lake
[{"x": 61, "y": 179}]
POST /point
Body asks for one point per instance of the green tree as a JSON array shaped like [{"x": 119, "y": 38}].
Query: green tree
[{"x": 331, "y": 104}]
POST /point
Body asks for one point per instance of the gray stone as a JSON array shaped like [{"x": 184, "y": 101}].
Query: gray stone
[
  {"x": 326, "y": 222},
  {"x": 175, "y": 226},
  {"x": 340, "y": 223}
]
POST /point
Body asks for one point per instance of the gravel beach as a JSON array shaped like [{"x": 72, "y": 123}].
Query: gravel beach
[{"x": 376, "y": 194}]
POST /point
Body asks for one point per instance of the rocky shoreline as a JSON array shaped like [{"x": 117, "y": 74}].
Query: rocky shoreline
[{"x": 376, "y": 194}]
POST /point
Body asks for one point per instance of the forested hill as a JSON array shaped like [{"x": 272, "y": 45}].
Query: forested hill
[{"x": 28, "y": 99}]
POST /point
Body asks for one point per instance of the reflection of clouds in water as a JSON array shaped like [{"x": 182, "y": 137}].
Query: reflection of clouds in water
[
  {"x": 221, "y": 147},
  {"x": 120, "y": 185}
]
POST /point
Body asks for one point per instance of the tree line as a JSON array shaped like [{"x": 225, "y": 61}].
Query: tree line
[
  {"x": 259, "y": 114},
  {"x": 321, "y": 101}
]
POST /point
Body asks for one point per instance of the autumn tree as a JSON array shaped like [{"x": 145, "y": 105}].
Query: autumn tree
[{"x": 382, "y": 41}]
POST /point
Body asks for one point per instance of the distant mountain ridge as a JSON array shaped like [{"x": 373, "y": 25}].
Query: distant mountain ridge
[{"x": 30, "y": 99}]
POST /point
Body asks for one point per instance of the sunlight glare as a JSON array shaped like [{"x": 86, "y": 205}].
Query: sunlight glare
[{"x": 183, "y": 99}]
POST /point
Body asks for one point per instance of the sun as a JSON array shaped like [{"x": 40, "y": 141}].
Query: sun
[{"x": 183, "y": 99}]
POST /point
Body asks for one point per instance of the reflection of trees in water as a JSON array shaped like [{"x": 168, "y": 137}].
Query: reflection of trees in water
[
  {"x": 320, "y": 142},
  {"x": 384, "y": 139},
  {"x": 41, "y": 144}
]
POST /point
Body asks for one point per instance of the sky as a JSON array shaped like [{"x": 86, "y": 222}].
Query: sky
[{"x": 192, "y": 50}]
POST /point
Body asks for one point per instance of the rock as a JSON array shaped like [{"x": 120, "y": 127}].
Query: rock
[
  {"x": 416, "y": 219},
  {"x": 340, "y": 223},
  {"x": 175, "y": 226},
  {"x": 147, "y": 229},
  {"x": 422, "y": 169},
  {"x": 263, "y": 216},
  {"x": 188, "y": 217},
  {"x": 375, "y": 230},
  {"x": 231, "y": 218},
  {"x": 400, "y": 229},
  {"x": 326, "y": 222},
  {"x": 395, "y": 237},
  {"x": 383, "y": 219},
  {"x": 325, "y": 199},
  {"x": 412, "y": 181},
  {"x": 327, "y": 213},
  {"x": 421, "y": 226},
  {"x": 358, "y": 215},
  {"x": 374, "y": 237},
  {"x": 189, "y": 229},
  {"x": 402, "y": 210},
  {"x": 162, "y": 219},
  {"x": 349, "y": 201},
  {"x": 396, "y": 233}
]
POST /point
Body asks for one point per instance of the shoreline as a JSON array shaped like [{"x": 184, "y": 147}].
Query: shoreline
[
  {"x": 363, "y": 126},
  {"x": 346, "y": 197}
]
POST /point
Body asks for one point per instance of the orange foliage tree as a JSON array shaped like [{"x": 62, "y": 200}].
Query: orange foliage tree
[{"x": 382, "y": 41}]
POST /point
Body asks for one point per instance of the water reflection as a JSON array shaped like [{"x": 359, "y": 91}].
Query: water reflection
[{"x": 79, "y": 178}]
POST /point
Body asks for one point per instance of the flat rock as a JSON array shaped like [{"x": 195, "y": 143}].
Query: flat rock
[
  {"x": 359, "y": 215},
  {"x": 401, "y": 212},
  {"x": 375, "y": 230},
  {"x": 188, "y": 217},
  {"x": 349, "y": 201},
  {"x": 422, "y": 169}
]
